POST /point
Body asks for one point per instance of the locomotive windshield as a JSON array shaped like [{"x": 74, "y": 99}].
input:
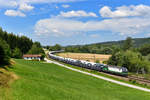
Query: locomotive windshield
[{"x": 124, "y": 69}]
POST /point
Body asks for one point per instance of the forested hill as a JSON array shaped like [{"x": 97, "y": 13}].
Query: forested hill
[
  {"x": 107, "y": 47},
  {"x": 137, "y": 42}
]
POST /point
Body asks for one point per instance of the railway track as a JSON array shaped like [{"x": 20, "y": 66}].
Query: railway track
[
  {"x": 133, "y": 78},
  {"x": 139, "y": 79}
]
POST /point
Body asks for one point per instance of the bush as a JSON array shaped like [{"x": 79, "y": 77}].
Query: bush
[
  {"x": 36, "y": 50},
  {"x": 4, "y": 52},
  {"x": 97, "y": 61},
  {"x": 42, "y": 56},
  {"x": 145, "y": 49},
  {"x": 106, "y": 50},
  {"x": 133, "y": 81},
  {"x": 148, "y": 57},
  {"x": 17, "y": 53}
]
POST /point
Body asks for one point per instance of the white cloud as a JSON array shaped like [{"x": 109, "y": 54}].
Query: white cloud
[
  {"x": 148, "y": 34},
  {"x": 94, "y": 35},
  {"x": 56, "y": 27},
  {"x": 79, "y": 13},
  {"x": 14, "y": 13},
  {"x": 25, "y": 7},
  {"x": 65, "y": 6},
  {"x": 66, "y": 27},
  {"x": 50, "y": 1},
  {"x": 125, "y": 11},
  {"x": 14, "y": 3},
  {"x": 8, "y": 3},
  {"x": 56, "y": 7}
]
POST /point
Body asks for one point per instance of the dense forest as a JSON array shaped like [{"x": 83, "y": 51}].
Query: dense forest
[{"x": 14, "y": 46}]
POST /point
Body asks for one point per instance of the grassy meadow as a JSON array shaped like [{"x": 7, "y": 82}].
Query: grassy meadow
[{"x": 43, "y": 81}]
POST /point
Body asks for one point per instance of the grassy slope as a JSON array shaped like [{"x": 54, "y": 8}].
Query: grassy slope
[{"x": 42, "y": 81}]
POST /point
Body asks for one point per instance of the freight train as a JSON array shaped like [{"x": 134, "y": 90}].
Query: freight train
[{"x": 90, "y": 65}]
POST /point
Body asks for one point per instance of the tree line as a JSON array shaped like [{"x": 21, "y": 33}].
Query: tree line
[
  {"x": 14, "y": 46},
  {"x": 98, "y": 49}
]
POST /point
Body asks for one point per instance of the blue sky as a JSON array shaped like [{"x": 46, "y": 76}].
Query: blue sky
[{"x": 73, "y": 22}]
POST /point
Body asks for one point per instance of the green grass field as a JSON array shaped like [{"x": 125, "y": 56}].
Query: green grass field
[{"x": 43, "y": 81}]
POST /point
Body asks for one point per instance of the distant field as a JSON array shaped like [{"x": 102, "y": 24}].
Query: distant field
[
  {"x": 86, "y": 56},
  {"x": 43, "y": 81}
]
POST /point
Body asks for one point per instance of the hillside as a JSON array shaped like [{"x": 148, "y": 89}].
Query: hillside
[
  {"x": 43, "y": 81},
  {"x": 136, "y": 41},
  {"x": 105, "y": 47}
]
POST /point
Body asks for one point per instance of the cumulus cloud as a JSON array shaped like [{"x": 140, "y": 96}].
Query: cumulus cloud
[
  {"x": 66, "y": 27},
  {"x": 125, "y": 11},
  {"x": 94, "y": 35},
  {"x": 8, "y": 3},
  {"x": 14, "y": 13},
  {"x": 65, "y": 6},
  {"x": 25, "y": 7},
  {"x": 79, "y": 13},
  {"x": 148, "y": 34},
  {"x": 14, "y": 3},
  {"x": 57, "y": 27},
  {"x": 50, "y": 1}
]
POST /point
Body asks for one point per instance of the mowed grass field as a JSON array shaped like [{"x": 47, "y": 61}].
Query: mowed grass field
[
  {"x": 43, "y": 81},
  {"x": 86, "y": 56}
]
